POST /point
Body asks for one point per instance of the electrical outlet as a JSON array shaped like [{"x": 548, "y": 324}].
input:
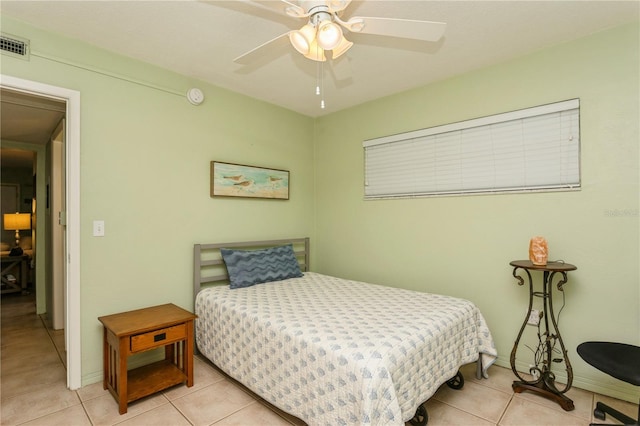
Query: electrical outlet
[
  {"x": 534, "y": 317},
  {"x": 534, "y": 373}
]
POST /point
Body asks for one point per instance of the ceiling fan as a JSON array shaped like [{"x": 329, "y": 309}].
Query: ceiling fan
[{"x": 324, "y": 30}]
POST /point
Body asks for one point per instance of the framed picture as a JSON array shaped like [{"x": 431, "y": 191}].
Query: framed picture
[{"x": 237, "y": 180}]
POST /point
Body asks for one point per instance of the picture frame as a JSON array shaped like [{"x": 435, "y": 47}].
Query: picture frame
[{"x": 239, "y": 180}]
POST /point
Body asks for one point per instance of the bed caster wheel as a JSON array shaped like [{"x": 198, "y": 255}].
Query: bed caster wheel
[
  {"x": 457, "y": 382},
  {"x": 420, "y": 418},
  {"x": 599, "y": 414}
]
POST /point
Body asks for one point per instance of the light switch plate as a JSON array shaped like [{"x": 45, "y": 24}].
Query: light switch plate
[{"x": 98, "y": 228}]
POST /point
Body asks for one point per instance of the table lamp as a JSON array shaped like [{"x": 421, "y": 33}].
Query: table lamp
[{"x": 17, "y": 222}]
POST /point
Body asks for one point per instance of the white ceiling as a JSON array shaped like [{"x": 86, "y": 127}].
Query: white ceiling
[
  {"x": 200, "y": 39},
  {"x": 27, "y": 119}
]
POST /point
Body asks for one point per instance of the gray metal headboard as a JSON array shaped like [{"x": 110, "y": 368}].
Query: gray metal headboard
[{"x": 209, "y": 268}]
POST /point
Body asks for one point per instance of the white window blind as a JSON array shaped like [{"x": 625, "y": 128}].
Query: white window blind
[{"x": 532, "y": 149}]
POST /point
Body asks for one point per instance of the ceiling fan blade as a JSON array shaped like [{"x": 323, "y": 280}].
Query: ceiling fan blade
[
  {"x": 338, "y": 5},
  {"x": 284, "y": 7},
  {"x": 403, "y": 28},
  {"x": 252, "y": 55}
]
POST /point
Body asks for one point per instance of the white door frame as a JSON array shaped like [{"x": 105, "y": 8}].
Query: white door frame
[{"x": 72, "y": 208}]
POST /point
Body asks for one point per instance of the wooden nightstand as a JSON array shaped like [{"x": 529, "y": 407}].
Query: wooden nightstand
[{"x": 141, "y": 330}]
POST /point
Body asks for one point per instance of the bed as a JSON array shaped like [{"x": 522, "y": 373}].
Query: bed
[{"x": 329, "y": 350}]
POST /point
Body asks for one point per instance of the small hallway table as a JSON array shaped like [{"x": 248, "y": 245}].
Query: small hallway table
[{"x": 10, "y": 264}]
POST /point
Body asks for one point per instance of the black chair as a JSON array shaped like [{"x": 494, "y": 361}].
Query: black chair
[{"x": 618, "y": 360}]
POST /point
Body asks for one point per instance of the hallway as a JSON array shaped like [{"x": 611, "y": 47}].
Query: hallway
[{"x": 32, "y": 364}]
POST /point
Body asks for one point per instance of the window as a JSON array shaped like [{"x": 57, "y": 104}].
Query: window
[{"x": 526, "y": 150}]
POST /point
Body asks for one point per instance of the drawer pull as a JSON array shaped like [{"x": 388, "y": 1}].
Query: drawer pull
[{"x": 159, "y": 337}]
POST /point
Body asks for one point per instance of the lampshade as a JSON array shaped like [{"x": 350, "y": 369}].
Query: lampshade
[
  {"x": 316, "y": 53},
  {"x": 301, "y": 39},
  {"x": 329, "y": 35},
  {"x": 17, "y": 221},
  {"x": 342, "y": 47}
]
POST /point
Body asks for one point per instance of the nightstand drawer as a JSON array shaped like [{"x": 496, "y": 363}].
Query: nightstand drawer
[{"x": 157, "y": 338}]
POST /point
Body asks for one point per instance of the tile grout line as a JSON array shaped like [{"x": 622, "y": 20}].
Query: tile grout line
[
  {"x": 506, "y": 408},
  {"x": 55, "y": 348},
  {"x": 51, "y": 338},
  {"x": 180, "y": 411},
  {"x": 43, "y": 323}
]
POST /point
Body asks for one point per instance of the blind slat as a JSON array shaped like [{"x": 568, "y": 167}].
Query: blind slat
[{"x": 530, "y": 152}]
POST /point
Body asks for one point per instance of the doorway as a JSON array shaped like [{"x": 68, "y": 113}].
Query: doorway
[
  {"x": 70, "y": 210},
  {"x": 32, "y": 139}
]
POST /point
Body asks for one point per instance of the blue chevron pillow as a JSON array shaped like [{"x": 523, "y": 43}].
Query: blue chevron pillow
[{"x": 249, "y": 267}]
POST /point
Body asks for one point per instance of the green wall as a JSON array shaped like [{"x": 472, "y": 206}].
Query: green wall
[
  {"x": 145, "y": 154},
  {"x": 462, "y": 245}
]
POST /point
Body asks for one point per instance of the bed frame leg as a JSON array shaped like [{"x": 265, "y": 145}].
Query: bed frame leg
[{"x": 479, "y": 367}]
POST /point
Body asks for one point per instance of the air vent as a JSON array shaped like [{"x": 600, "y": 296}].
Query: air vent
[{"x": 14, "y": 46}]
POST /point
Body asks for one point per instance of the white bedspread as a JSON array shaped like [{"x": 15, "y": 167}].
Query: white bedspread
[{"x": 332, "y": 351}]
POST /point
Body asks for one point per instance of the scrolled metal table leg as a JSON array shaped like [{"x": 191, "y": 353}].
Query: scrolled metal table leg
[{"x": 544, "y": 380}]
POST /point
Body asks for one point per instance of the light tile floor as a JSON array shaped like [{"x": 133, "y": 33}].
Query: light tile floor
[{"x": 33, "y": 392}]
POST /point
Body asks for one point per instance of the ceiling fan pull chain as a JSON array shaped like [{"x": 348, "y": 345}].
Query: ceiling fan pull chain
[
  {"x": 322, "y": 85},
  {"x": 318, "y": 78}
]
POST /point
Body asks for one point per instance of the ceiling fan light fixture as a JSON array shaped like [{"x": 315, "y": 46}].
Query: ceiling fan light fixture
[
  {"x": 316, "y": 53},
  {"x": 341, "y": 48},
  {"x": 329, "y": 35},
  {"x": 303, "y": 38}
]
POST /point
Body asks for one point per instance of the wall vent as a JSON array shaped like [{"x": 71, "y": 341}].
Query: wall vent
[{"x": 14, "y": 46}]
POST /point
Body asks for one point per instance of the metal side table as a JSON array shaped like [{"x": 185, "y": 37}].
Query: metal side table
[{"x": 542, "y": 379}]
